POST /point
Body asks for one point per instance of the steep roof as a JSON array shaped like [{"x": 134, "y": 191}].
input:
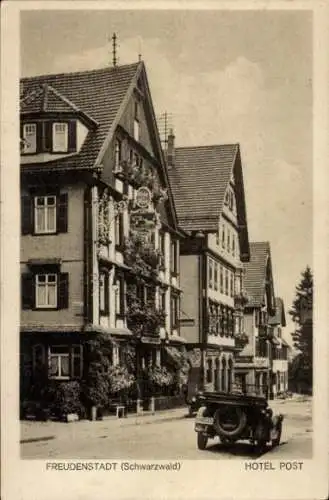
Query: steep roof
[
  {"x": 279, "y": 318},
  {"x": 97, "y": 93},
  {"x": 199, "y": 179},
  {"x": 256, "y": 273}
]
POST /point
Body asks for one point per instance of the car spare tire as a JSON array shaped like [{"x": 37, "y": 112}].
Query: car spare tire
[{"x": 229, "y": 421}]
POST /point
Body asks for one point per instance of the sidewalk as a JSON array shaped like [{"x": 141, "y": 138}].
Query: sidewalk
[{"x": 44, "y": 431}]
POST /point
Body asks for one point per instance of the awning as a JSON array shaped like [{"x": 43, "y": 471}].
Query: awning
[
  {"x": 275, "y": 341},
  {"x": 285, "y": 343}
]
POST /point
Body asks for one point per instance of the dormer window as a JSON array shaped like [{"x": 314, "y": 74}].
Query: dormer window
[
  {"x": 60, "y": 137},
  {"x": 30, "y": 138}
]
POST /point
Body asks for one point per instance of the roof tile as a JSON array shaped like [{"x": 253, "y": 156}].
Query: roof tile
[
  {"x": 97, "y": 93},
  {"x": 255, "y": 273},
  {"x": 199, "y": 180}
]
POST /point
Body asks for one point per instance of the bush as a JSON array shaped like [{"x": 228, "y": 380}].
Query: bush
[{"x": 66, "y": 398}]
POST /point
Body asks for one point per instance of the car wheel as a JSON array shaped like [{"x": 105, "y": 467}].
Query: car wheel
[
  {"x": 229, "y": 422},
  {"x": 202, "y": 441}
]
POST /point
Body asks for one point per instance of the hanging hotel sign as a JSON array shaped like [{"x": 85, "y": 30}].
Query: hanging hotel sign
[{"x": 143, "y": 197}]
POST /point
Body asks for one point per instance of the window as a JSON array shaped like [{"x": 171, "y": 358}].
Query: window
[
  {"x": 46, "y": 291},
  {"x": 136, "y": 123},
  {"x": 117, "y": 155},
  {"x": 65, "y": 361},
  {"x": 232, "y": 284},
  {"x": 118, "y": 225},
  {"x": 162, "y": 300},
  {"x": 174, "y": 311},
  {"x": 162, "y": 247},
  {"x": 45, "y": 288},
  {"x": 45, "y": 214},
  {"x": 228, "y": 240},
  {"x": 233, "y": 244},
  {"x": 209, "y": 371},
  {"x": 226, "y": 282},
  {"x": 60, "y": 137},
  {"x": 104, "y": 293},
  {"x": 223, "y": 237},
  {"x": 221, "y": 279},
  {"x": 215, "y": 275},
  {"x": 210, "y": 273},
  {"x": 174, "y": 257},
  {"x": 30, "y": 138},
  {"x": 119, "y": 297}
]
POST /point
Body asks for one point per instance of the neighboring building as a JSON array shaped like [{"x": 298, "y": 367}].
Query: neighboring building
[
  {"x": 280, "y": 350},
  {"x": 208, "y": 189},
  {"x": 100, "y": 241},
  {"x": 254, "y": 363}
]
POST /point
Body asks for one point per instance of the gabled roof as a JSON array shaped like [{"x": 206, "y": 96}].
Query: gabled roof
[
  {"x": 97, "y": 93},
  {"x": 279, "y": 318},
  {"x": 101, "y": 96},
  {"x": 256, "y": 273},
  {"x": 199, "y": 179}
]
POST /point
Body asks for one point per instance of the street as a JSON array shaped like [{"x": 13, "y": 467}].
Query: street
[{"x": 148, "y": 438}]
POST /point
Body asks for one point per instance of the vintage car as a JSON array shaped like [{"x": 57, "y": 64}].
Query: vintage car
[{"x": 234, "y": 417}]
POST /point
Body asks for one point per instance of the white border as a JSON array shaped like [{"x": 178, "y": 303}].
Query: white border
[{"x": 197, "y": 479}]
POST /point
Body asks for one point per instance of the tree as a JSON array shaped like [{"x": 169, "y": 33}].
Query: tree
[{"x": 303, "y": 335}]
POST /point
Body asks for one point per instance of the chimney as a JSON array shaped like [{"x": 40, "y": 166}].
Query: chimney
[{"x": 171, "y": 149}]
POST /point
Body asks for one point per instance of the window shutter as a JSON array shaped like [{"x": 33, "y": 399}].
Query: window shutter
[
  {"x": 62, "y": 213},
  {"x": 26, "y": 215},
  {"x": 39, "y": 129},
  {"x": 48, "y": 136},
  {"x": 27, "y": 290},
  {"x": 63, "y": 291},
  {"x": 107, "y": 301},
  {"x": 72, "y": 136}
]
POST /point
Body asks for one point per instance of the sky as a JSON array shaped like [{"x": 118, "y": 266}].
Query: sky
[{"x": 224, "y": 77}]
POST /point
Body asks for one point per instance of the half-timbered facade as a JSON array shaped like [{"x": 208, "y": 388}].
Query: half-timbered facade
[
  {"x": 207, "y": 184},
  {"x": 100, "y": 241},
  {"x": 254, "y": 364}
]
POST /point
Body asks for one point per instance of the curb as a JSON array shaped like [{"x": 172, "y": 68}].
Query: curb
[
  {"x": 122, "y": 422},
  {"x": 37, "y": 439}
]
